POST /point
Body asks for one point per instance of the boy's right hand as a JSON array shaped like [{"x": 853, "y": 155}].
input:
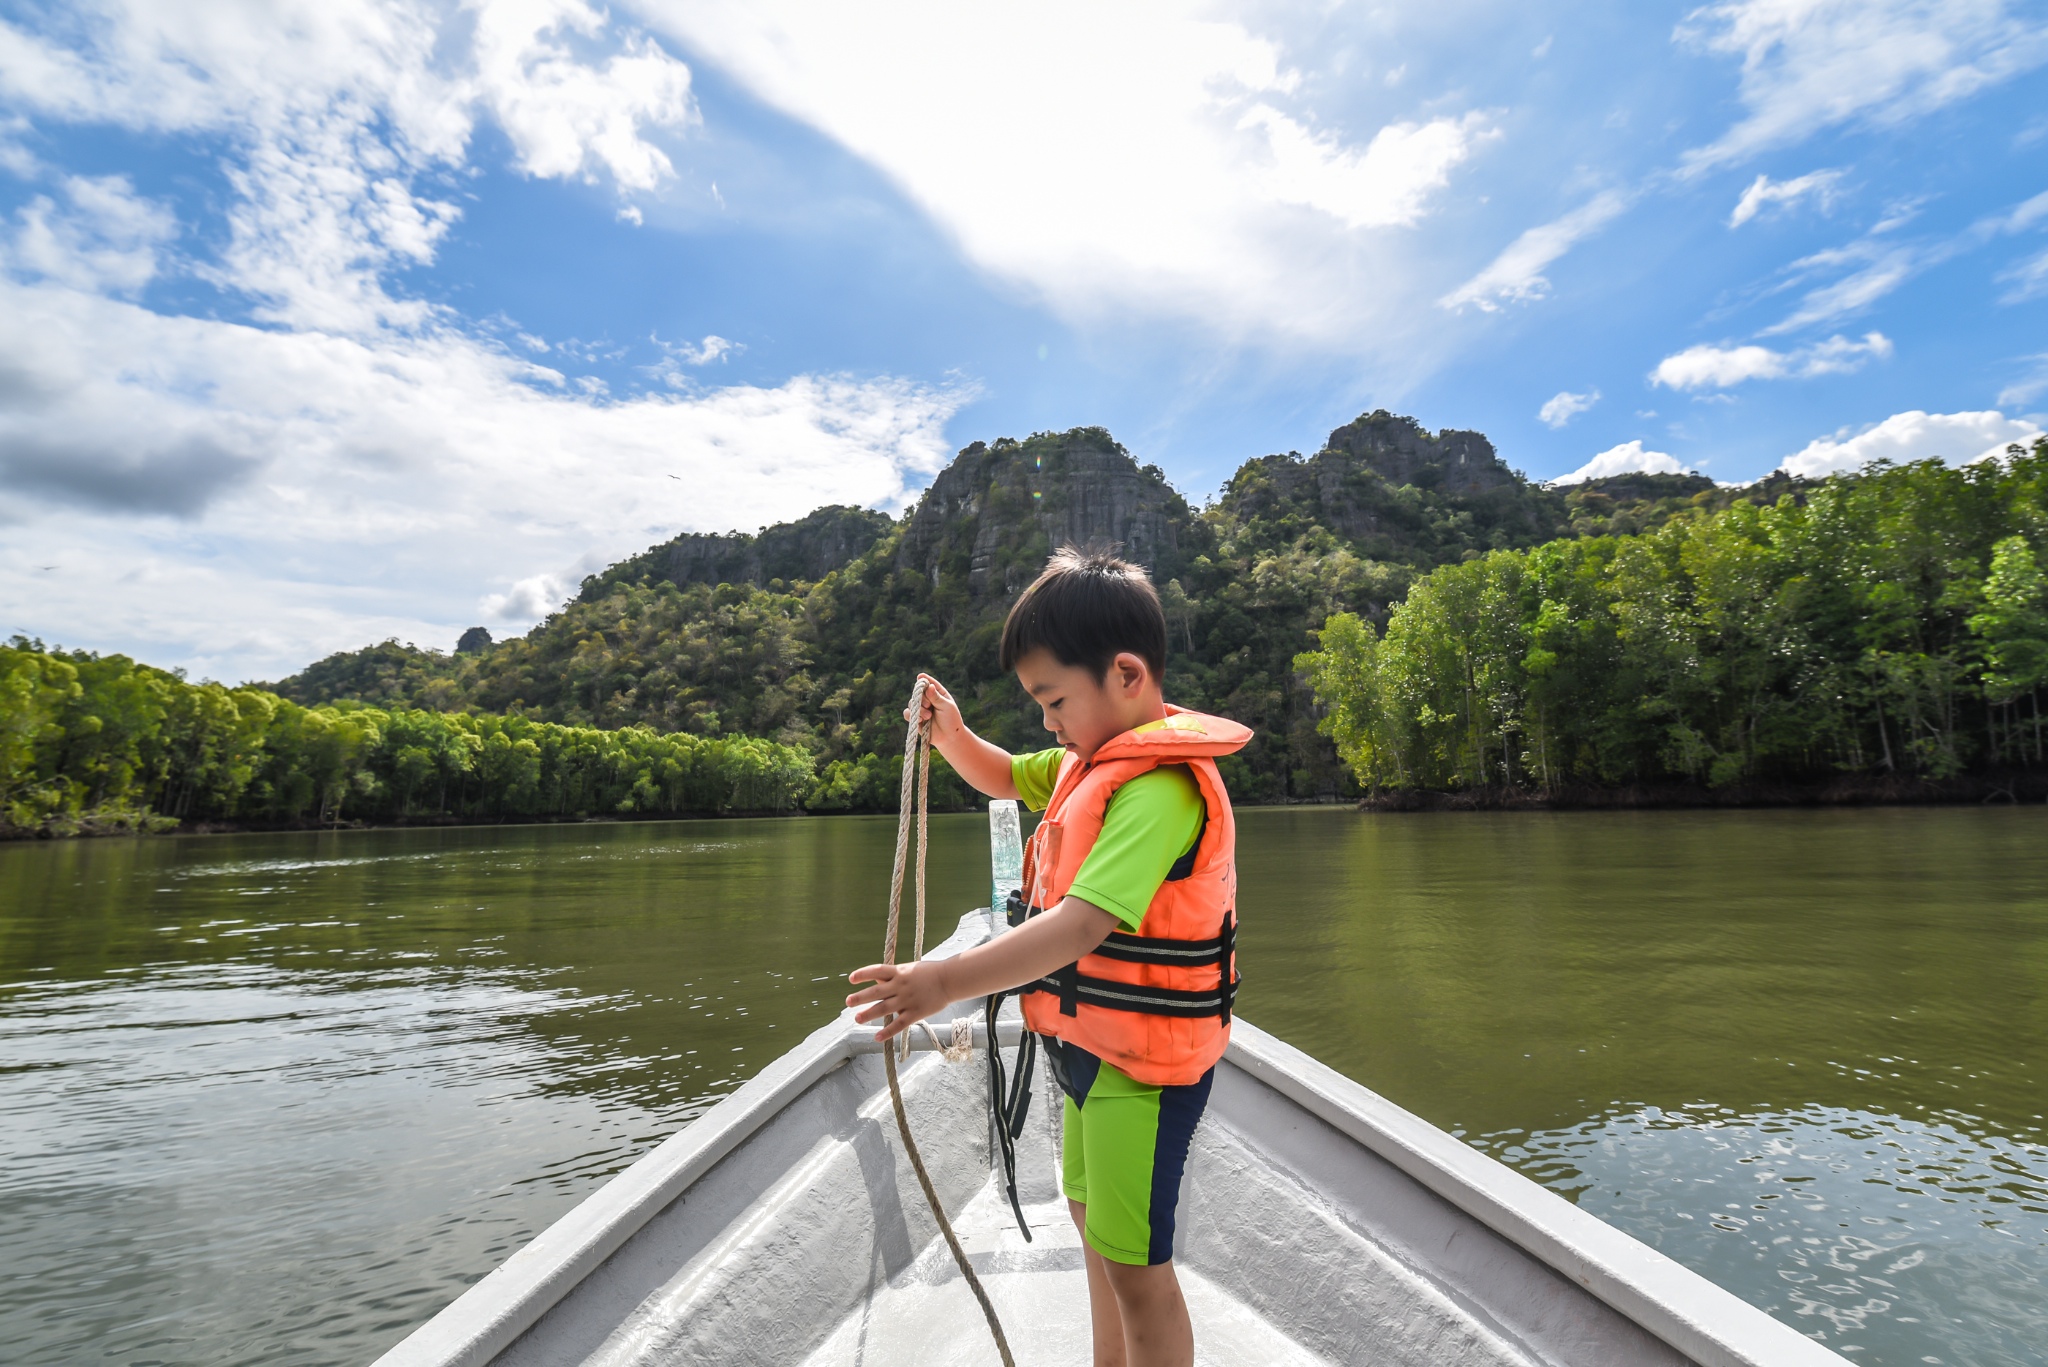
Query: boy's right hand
[
  {"x": 986, "y": 767},
  {"x": 940, "y": 711}
]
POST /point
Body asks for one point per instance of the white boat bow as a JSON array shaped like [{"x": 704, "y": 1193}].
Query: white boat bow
[{"x": 1320, "y": 1223}]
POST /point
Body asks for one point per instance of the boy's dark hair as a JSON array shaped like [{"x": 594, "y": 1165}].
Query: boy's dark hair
[{"x": 1085, "y": 608}]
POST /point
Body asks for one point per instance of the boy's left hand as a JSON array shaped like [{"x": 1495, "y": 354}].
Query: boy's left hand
[{"x": 910, "y": 991}]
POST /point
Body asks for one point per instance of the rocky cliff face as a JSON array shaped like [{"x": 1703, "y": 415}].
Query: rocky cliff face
[
  {"x": 1401, "y": 451},
  {"x": 999, "y": 510},
  {"x": 1394, "y": 492}
]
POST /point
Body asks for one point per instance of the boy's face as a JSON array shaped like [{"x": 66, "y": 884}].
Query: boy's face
[{"x": 1082, "y": 711}]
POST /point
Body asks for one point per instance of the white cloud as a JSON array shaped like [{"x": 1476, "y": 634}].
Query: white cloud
[
  {"x": 1957, "y": 438},
  {"x": 1564, "y": 405},
  {"x": 337, "y": 108},
  {"x": 572, "y": 118},
  {"x": 2028, "y": 387},
  {"x": 1111, "y": 158},
  {"x": 2027, "y": 214},
  {"x": 1879, "y": 267},
  {"x": 242, "y": 499},
  {"x": 1516, "y": 275},
  {"x": 679, "y": 358},
  {"x": 2027, "y": 279},
  {"x": 1763, "y": 192},
  {"x": 1389, "y": 184},
  {"x": 1627, "y": 458},
  {"x": 1701, "y": 366},
  {"x": 1877, "y": 263},
  {"x": 253, "y": 499},
  {"x": 1712, "y": 367},
  {"x": 533, "y": 597},
  {"x": 105, "y": 238},
  {"x": 16, "y": 159},
  {"x": 712, "y": 348},
  {"x": 1808, "y": 65}
]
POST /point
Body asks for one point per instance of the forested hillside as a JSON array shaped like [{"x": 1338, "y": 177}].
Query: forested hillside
[
  {"x": 1476, "y": 633},
  {"x": 810, "y": 632},
  {"x": 1888, "y": 624},
  {"x": 99, "y": 744}
]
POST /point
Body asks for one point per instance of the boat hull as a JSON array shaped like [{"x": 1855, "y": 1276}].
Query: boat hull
[{"x": 1320, "y": 1223}]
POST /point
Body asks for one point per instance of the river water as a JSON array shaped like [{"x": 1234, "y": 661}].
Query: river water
[{"x": 279, "y": 1098}]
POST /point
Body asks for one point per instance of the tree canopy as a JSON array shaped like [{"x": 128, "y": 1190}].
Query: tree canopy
[
  {"x": 716, "y": 635},
  {"x": 1398, "y": 610},
  {"x": 1893, "y": 621},
  {"x": 90, "y": 742}
]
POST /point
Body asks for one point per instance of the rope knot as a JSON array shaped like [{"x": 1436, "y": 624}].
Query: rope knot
[{"x": 958, "y": 1047}]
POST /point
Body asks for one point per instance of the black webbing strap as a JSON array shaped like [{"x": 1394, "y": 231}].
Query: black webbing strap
[
  {"x": 1067, "y": 983},
  {"x": 1226, "y": 951},
  {"x": 1070, "y": 983},
  {"x": 1151, "y": 949},
  {"x": 1073, "y": 987},
  {"x": 1008, "y": 1106}
]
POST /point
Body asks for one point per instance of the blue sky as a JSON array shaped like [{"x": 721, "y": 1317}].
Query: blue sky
[{"x": 331, "y": 321}]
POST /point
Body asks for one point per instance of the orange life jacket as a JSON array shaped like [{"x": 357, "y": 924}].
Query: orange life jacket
[{"x": 1155, "y": 1003}]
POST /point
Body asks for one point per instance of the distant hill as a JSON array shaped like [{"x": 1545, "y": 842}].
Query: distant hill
[
  {"x": 807, "y": 550},
  {"x": 810, "y": 632}
]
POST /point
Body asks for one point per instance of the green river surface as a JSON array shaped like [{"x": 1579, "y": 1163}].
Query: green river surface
[{"x": 278, "y": 1098}]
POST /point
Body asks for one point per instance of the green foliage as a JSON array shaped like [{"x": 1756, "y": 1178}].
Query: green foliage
[
  {"x": 766, "y": 671},
  {"x": 91, "y": 742},
  {"x": 1895, "y": 620},
  {"x": 35, "y": 691},
  {"x": 1636, "y": 626},
  {"x": 1627, "y": 505},
  {"x": 825, "y": 663},
  {"x": 808, "y": 549},
  {"x": 2014, "y": 622},
  {"x": 811, "y": 632},
  {"x": 387, "y": 674}
]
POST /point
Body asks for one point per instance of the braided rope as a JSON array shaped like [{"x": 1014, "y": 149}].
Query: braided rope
[
  {"x": 958, "y": 1047},
  {"x": 918, "y": 741}
]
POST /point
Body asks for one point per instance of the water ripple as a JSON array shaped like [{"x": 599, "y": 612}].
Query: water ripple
[{"x": 1854, "y": 1226}]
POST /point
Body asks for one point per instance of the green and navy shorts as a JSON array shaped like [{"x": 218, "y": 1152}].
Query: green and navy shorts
[{"x": 1125, "y": 1148}]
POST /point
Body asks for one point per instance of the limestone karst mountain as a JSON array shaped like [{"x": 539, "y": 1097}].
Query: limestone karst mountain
[
  {"x": 811, "y": 631},
  {"x": 996, "y": 512}
]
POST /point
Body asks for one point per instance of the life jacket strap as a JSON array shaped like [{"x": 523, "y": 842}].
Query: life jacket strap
[
  {"x": 1226, "y": 950},
  {"x": 1073, "y": 986},
  {"x": 1008, "y": 1105},
  {"x": 1150, "y": 949},
  {"x": 1067, "y": 983}
]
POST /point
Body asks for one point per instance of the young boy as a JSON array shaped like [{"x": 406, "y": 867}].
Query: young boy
[{"x": 1126, "y": 961}]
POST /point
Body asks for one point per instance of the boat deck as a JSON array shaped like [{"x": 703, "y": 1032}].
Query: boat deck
[{"x": 925, "y": 1316}]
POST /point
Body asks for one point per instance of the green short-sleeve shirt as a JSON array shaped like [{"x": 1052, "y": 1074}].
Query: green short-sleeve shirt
[{"x": 1152, "y": 820}]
